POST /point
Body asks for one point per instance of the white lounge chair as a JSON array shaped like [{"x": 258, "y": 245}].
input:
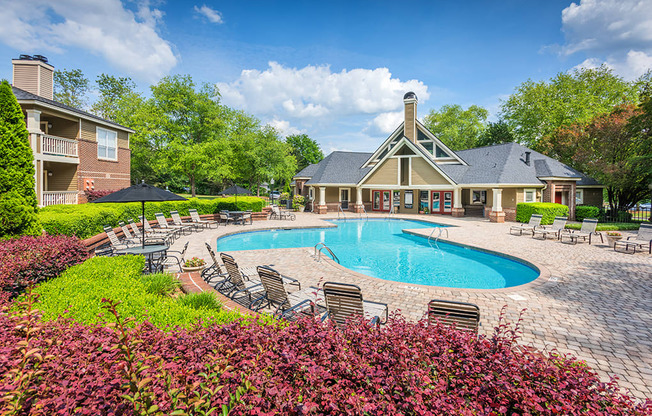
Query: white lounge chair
[
  {"x": 587, "y": 231},
  {"x": 641, "y": 240},
  {"x": 535, "y": 221},
  {"x": 558, "y": 226}
]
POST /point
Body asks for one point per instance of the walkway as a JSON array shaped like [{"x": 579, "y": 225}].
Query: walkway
[{"x": 591, "y": 302}]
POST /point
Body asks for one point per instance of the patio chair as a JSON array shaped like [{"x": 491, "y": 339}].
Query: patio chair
[
  {"x": 225, "y": 217},
  {"x": 239, "y": 285},
  {"x": 642, "y": 239},
  {"x": 462, "y": 315},
  {"x": 168, "y": 235},
  {"x": 115, "y": 242},
  {"x": 588, "y": 229},
  {"x": 214, "y": 270},
  {"x": 188, "y": 226},
  {"x": 247, "y": 216},
  {"x": 154, "y": 238},
  {"x": 197, "y": 219},
  {"x": 168, "y": 260},
  {"x": 558, "y": 226},
  {"x": 344, "y": 301},
  {"x": 535, "y": 221},
  {"x": 277, "y": 295},
  {"x": 163, "y": 224}
]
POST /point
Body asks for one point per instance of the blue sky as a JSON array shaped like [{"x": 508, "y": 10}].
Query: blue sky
[{"x": 334, "y": 70}]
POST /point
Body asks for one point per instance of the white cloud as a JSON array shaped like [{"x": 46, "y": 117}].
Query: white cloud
[
  {"x": 284, "y": 127},
  {"x": 385, "y": 123},
  {"x": 128, "y": 41},
  {"x": 315, "y": 92},
  {"x": 212, "y": 15},
  {"x": 615, "y": 32}
]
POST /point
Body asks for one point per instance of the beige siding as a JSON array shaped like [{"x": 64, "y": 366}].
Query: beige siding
[
  {"x": 386, "y": 174},
  {"x": 46, "y": 83},
  {"x": 89, "y": 132},
  {"x": 424, "y": 174},
  {"x": 64, "y": 177},
  {"x": 123, "y": 139},
  {"x": 415, "y": 203},
  {"x": 410, "y": 125},
  {"x": 332, "y": 194},
  {"x": 511, "y": 197},
  {"x": 64, "y": 128},
  {"x": 25, "y": 78}
]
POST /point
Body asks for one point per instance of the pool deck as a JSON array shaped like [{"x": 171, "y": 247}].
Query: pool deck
[{"x": 590, "y": 301}]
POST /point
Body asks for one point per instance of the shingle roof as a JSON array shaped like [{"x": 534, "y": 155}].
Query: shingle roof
[
  {"x": 308, "y": 171},
  {"x": 340, "y": 167},
  {"x": 24, "y": 95}
]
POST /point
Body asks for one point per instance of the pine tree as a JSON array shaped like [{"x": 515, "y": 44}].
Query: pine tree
[{"x": 18, "y": 204}]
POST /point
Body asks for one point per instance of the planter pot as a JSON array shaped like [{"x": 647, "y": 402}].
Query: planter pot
[
  {"x": 193, "y": 269},
  {"x": 611, "y": 239},
  {"x": 301, "y": 208}
]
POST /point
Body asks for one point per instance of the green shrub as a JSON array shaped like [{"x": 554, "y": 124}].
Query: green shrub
[
  {"x": 79, "y": 291},
  {"x": 86, "y": 220},
  {"x": 160, "y": 283},
  {"x": 549, "y": 210},
  {"x": 586, "y": 211},
  {"x": 624, "y": 226},
  {"x": 202, "y": 300}
]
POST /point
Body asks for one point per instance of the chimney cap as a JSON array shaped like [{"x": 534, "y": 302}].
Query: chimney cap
[
  {"x": 409, "y": 95},
  {"x": 25, "y": 57},
  {"x": 40, "y": 58}
]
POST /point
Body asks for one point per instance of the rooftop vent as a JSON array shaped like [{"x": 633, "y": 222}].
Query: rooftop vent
[
  {"x": 409, "y": 95},
  {"x": 527, "y": 158},
  {"x": 25, "y": 57},
  {"x": 40, "y": 58}
]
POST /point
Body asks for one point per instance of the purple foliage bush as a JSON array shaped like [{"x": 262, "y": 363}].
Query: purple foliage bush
[
  {"x": 299, "y": 368},
  {"x": 31, "y": 259},
  {"x": 92, "y": 195}
]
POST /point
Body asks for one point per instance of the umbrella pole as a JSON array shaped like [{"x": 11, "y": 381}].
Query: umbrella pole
[{"x": 143, "y": 224}]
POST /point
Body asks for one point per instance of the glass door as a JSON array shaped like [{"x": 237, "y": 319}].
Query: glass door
[
  {"x": 387, "y": 200},
  {"x": 344, "y": 198},
  {"x": 448, "y": 201},
  {"x": 436, "y": 203},
  {"x": 376, "y": 201}
]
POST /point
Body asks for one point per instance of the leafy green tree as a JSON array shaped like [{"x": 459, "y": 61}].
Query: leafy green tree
[
  {"x": 304, "y": 149},
  {"x": 458, "y": 128},
  {"x": 71, "y": 87},
  {"x": 607, "y": 149},
  {"x": 18, "y": 202},
  {"x": 112, "y": 91},
  {"x": 496, "y": 133},
  {"x": 537, "y": 109}
]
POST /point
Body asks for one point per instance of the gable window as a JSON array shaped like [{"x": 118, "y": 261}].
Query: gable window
[
  {"x": 107, "y": 144},
  {"x": 579, "y": 196},
  {"x": 530, "y": 195},
  {"x": 441, "y": 153}
]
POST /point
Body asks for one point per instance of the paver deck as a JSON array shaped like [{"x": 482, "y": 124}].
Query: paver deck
[{"x": 591, "y": 302}]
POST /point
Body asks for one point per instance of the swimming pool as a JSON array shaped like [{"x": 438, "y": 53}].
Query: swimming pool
[{"x": 380, "y": 248}]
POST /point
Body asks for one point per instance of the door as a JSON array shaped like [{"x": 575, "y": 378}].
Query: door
[
  {"x": 344, "y": 198},
  {"x": 441, "y": 202},
  {"x": 387, "y": 201},
  {"x": 376, "y": 201},
  {"x": 448, "y": 201},
  {"x": 382, "y": 200},
  {"x": 558, "y": 197},
  {"x": 436, "y": 203}
]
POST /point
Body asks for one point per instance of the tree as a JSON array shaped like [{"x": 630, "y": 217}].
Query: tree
[
  {"x": 606, "y": 149},
  {"x": 496, "y": 133},
  {"x": 71, "y": 87},
  {"x": 304, "y": 149},
  {"x": 112, "y": 90},
  {"x": 18, "y": 202},
  {"x": 537, "y": 109},
  {"x": 459, "y": 129}
]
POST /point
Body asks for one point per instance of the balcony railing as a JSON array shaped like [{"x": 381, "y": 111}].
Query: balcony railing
[
  {"x": 59, "y": 198},
  {"x": 59, "y": 146}
]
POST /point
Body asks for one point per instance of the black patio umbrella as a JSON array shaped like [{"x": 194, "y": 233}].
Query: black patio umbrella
[
  {"x": 140, "y": 193},
  {"x": 235, "y": 190}
]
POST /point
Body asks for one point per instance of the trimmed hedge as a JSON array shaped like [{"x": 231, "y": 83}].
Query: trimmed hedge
[
  {"x": 617, "y": 226},
  {"x": 78, "y": 294},
  {"x": 86, "y": 220},
  {"x": 549, "y": 210},
  {"x": 586, "y": 211}
]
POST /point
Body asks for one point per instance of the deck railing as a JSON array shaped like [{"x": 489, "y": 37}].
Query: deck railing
[
  {"x": 59, "y": 198},
  {"x": 59, "y": 146}
]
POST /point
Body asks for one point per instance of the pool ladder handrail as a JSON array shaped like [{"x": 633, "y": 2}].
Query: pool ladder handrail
[
  {"x": 342, "y": 211},
  {"x": 324, "y": 246},
  {"x": 365, "y": 212},
  {"x": 391, "y": 211},
  {"x": 440, "y": 231}
]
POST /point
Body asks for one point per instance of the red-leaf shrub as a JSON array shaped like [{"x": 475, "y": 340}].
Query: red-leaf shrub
[
  {"x": 92, "y": 195},
  {"x": 294, "y": 369},
  {"x": 30, "y": 259}
]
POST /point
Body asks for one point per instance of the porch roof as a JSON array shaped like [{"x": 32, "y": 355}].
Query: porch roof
[{"x": 340, "y": 168}]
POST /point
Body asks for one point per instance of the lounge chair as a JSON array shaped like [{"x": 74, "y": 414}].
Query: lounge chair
[
  {"x": 281, "y": 214},
  {"x": 588, "y": 229},
  {"x": 214, "y": 270},
  {"x": 277, "y": 295},
  {"x": 194, "y": 215},
  {"x": 464, "y": 316},
  {"x": 163, "y": 224},
  {"x": 171, "y": 260},
  {"x": 535, "y": 221},
  {"x": 168, "y": 235},
  {"x": 116, "y": 244},
  {"x": 176, "y": 219},
  {"x": 641, "y": 240},
  {"x": 155, "y": 238},
  {"x": 344, "y": 301},
  {"x": 558, "y": 226},
  {"x": 239, "y": 286}
]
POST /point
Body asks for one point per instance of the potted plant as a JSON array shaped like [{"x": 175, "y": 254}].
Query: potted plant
[
  {"x": 194, "y": 264},
  {"x": 285, "y": 200},
  {"x": 612, "y": 237},
  {"x": 299, "y": 203}
]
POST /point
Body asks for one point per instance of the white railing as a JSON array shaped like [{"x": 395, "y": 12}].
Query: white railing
[
  {"x": 59, "y": 198},
  {"x": 58, "y": 146}
]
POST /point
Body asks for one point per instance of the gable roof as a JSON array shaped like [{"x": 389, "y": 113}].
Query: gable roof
[
  {"x": 308, "y": 171},
  {"x": 339, "y": 168},
  {"x": 505, "y": 164},
  {"x": 22, "y": 95}
]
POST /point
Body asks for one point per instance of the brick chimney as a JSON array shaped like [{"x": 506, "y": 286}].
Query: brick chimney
[
  {"x": 410, "y": 131},
  {"x": 33, "y": 74}
]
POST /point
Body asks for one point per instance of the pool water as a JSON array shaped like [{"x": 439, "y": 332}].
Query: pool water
[{"x": 380, "y": 248}]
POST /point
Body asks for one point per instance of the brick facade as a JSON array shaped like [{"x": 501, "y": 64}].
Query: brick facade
[{"x": 97, "y": 174}]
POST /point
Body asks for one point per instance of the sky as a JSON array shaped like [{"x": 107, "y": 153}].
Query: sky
[{"x": 334, "y": 70}]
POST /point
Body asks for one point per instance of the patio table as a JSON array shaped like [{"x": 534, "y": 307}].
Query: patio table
[{"x": 147, "y": 251}]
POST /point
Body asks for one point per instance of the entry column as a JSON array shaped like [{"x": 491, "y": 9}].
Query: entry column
[
  {"x": 497, "y": 214},
  {"x": 322, "y": 208},
  {"x": 359, "y": 205},
  {"x": 458, "y": 209}
]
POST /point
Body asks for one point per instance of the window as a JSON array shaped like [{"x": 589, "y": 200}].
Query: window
[
  {"x": 428, "y": 146},
  {"x": 530, "y": 195},
  {"x": 311, "y": 193},
  {"x": 409, "y": 200},
  {"x": 479, "y": 197},
  {"x": 441, "y": 153},
  {"x": 579, "y": 196},
  {"x": 107, "y": 144}
]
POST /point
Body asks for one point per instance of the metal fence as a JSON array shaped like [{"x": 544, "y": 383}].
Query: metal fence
[{"x": 642, "y": 213}]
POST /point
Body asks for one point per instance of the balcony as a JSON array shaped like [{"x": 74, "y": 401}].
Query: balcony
[
  {"x": 58, "y": 146},
  {"x": 59, "y": 198}
]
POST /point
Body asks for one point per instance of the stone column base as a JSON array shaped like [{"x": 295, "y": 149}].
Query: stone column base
[
  {"x": 497, "y": 216},
  {"x": 322, "y": 209},
  {"x": 358, "y": 209},
  {"x": 457, "y": 212}
]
